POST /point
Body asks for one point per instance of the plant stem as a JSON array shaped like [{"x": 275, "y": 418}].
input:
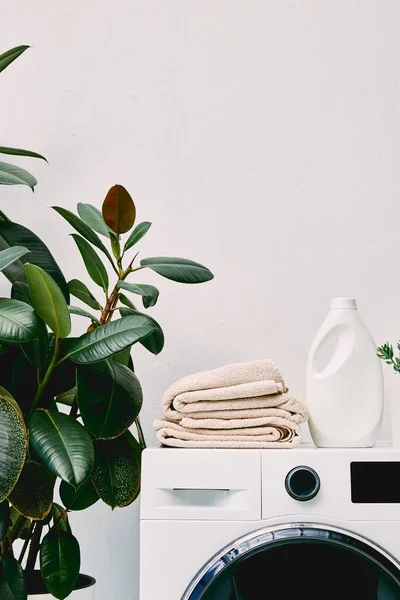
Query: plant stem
[
  {"x": 10, "y": 544},
  {"x": 46, "y": 378},
  {"x": 137, "y": 269},
  {"x": 109, "y": 305},
  {"x": 142, "y": 441},
  {"x": 74, "y": 409},
  {"x": 18, "y": 527},
  {"x": 34, "y": 548},
  {"x": 26, "y": 543},
  {"x": 107, "y": 312}
]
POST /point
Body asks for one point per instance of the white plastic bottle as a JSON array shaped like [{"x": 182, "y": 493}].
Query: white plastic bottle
[{"x": 344, "y": 381}]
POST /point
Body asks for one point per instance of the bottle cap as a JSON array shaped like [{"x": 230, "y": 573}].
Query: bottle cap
[{"x": 338, "y": 303}]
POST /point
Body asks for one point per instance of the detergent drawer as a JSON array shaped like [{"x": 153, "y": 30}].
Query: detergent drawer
[{"x": 201, "y": 484}]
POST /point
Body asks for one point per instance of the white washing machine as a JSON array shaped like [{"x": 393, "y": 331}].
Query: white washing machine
[{"x": 302, "y": 524}]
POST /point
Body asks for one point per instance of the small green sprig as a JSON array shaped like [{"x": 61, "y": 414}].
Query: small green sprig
[{"x": 386, "y": 353}]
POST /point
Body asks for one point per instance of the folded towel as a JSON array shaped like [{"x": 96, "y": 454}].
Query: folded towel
[
  {"x": 249, "y": 408},
  {"x": 237, "y": 406},
  {"x": 203, "y": 392},
  {"x": 278, "y": 434}
]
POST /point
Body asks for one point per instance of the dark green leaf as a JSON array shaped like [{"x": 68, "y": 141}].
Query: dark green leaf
[
  {"x": 76, "y": 310},
  {"x": 32, "y": 496},
  {"x": 62, "y": 444},
  {"x": 83, "y": 229},
  {"x": 20, "y": 152},
  {"x": 12, "y": 234},
  {"x": 67, "y": 397},
  {"x": 79, "y": 499},
  {"x": 48, "y": 301},
  {"x": 80, "y": 291},
  {"x": 18, "y": 322},
  {"x": 60, "y": 561},
  {"x": 122, "y": 357},
  {"x": 119, "y": 210},
  {"x": 149, "y": 293},
  {"x": 93, "y": 264},
  {"x": 20, "y": 291},
  {"x": 154, "y": 342},
  {"x": 13, "y": 443},
  {"x": 125, "y": 300},
  {"x": 116, "y": 473},
  {"x": 93, "y": 218},
  {"x": 10, "y": 55},
  {"x": 181, "y": 270},
  {"x": 4, "y": 519},
  {"x": 103, "y": 342},
  {"x": 19, "y": 525},
  {"x": 8, "y": 357},
  {"x": 140, "y": 230},
  {"x": 63, "y": 377},
  {"x": 8, "y": 256},
  {"x": 13, "y": 175},
  {"x": 3, "y": 217},
  {"x": 12, "y": 580},
  {"x": 109, "y": 398},
  {"x": 23, "y": 382},
  {"x": 60, "y": 515}
]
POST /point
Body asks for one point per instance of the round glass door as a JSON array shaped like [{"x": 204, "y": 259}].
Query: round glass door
[{"x": 299, "y": 562}]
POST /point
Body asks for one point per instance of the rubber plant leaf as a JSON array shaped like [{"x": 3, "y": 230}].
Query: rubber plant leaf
[
  {"x": 4, "y": 519},
  {"x": 32, "y": 496},
  {"x": 80, "y": 291},
  {"x": 116, "y": 473},
  {"x": 12, "y": 579},
  {"x": 13, "y": 175},
  {"x": 93, "y": 264},
  {"x": 109, "y": 397},
  {"x": 154, "y": 342},
  {"x": 83, "y": 229},
  {"x": 140, "y": 230},
  {"x": 181, "y": 270},
  {"x": 18, "y": 322},
  {"x": 48, "y": 301},
  {"x": 80, "y": 499},
  {"x": 13, "y": 234},
  {"x": 119, "y": 211},
  {"x": 6, "y": 58},
  {"x": 13, "y": 443},
  {"x": 60, "y": 561},
  {"x": 20, "y": 152},
  {"x": 62, "y": 444},
  {"x": 93, "y": 218},
  {"x": 103, "y": 342},
  {"x": 10, "y": 255},
  {"x": 149, "y": 293}
]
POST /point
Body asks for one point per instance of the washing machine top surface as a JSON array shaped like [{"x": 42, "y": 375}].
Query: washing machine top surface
[{"x": 344, "y": 483}]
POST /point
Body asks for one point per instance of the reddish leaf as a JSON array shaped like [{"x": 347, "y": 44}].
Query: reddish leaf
[{"x": 119, "y": 210}]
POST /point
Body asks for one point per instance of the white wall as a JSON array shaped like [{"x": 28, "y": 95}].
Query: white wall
[{"x": 261, "y": 138}]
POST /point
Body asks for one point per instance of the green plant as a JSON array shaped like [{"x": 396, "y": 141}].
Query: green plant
[
  {"x": 43, "y": 369},
  {"x": 11, "y": 174},
  {"x": 386, "y": 353}
]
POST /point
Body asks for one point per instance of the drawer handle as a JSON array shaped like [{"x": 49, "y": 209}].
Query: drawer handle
[{"x": 200, "y": 497}]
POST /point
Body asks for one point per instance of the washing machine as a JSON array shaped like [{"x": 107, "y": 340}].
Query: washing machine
[{"x": 301, "y": 524}]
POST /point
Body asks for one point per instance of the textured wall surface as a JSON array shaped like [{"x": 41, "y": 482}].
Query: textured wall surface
[{"x": 260, "y": 138}]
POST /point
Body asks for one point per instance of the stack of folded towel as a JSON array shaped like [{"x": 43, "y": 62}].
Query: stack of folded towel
[{"x": 243, "y": 405}]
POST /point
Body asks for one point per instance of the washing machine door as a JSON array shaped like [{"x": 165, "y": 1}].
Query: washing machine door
[{"x": 299, "y": 561}]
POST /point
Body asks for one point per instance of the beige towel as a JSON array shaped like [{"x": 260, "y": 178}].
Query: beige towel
[
  {"x": 237, "y": 406},
  {"x": 278, "y": 434},
  {"x": 227, "y": 388}
]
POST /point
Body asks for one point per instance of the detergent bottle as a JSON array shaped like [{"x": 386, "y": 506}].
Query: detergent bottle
[{"x": 344, "y": 385}]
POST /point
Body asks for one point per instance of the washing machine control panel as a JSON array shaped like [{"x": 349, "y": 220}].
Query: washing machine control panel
[
  {"x": 375, "y": 482},
  {"x": 302, "y": 483}
]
